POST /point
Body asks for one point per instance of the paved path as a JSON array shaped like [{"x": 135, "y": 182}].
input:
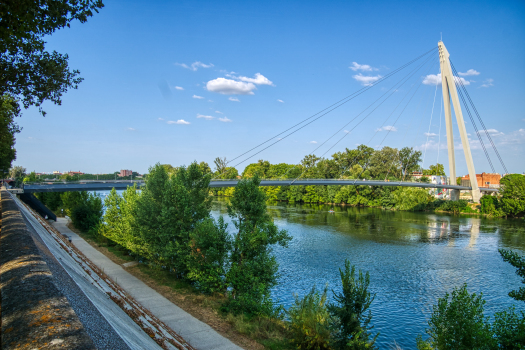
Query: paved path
[{"x": 198, "y": 334}]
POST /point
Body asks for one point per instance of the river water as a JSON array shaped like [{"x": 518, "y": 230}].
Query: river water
[{"x": 413, "y": 259}]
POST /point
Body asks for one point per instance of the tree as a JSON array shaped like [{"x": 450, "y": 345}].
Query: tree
[
  {"x": 253, "y": 268},
  {"x": 409, "y": 160},
  {"x": 27, "y": 69},
  {"x": 17, "y": 172},
  {"x": 351, "y": 323},
  {"x": 8, "y": 129},
  {"x": 437, "y": 169},
  {"x": 458, "y": 324},
  {"x": 220, "y": 165},
  {"x": 519, "y": 263},
  {"x": 383, "y": 162},
  {"x": 512, "y": 191}
]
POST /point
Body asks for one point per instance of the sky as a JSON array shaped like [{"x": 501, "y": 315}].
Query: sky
[{"x": 177, "y": 82}]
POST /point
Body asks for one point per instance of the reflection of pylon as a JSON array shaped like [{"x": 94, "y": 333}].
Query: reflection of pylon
[{"x": 450, "y": 93}]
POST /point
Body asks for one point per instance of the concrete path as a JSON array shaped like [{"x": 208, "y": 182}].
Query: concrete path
[{"x": 196, "y": 333}]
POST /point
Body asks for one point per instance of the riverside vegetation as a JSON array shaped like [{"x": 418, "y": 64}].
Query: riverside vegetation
[{"x": 167, "y": 226}]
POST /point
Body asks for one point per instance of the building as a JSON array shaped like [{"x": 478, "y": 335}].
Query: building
[
  {"x": 56, "y": 172},
  {"x": 484, "y": 180},
  {"x": 73, "y": 173},
  {"x": 125, "y": 173},
  {"x": 417, "y": 175}
]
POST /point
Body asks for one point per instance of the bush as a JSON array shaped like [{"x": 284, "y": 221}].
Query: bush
[
  {"x": 310, "y": 321},
  {"x": 509, "y": 329},
  {"x": 513, "y": 194},
  {"x": 87, "y": 214},
  {"x": 489, "y": 205},
  {"x": 458, "y": 324},
  {"x": 454, "y": 206},
  {"x": 350, "y": 321}
]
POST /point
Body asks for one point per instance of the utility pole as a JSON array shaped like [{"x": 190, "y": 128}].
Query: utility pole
[{"x": 450, "y": 93}]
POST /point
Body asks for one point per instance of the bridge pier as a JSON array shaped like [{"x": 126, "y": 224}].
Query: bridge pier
[{"x": 454, "y": 195}]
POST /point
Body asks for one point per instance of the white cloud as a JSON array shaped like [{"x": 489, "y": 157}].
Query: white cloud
[
  {"x": 435, "y": 79},
  {"x": 160, "y": 119},
  {"x": 430, "y": 134},
  {"x": 347, "y": 132},
  {"x": 130, "y": 129},
  {"x": 179, "y": 88},
  {"x": 234, "y": 99},
  {"x": 258, "y": 80},
  {"x": 219, "y": 112},
  {"x": 180, "y": 122},
  {"x": 366, "y": 80},
  {"x": 492, "y": 132},
  {"x": 469, "y": 72},
  {"x": 387, "y": 128},
  {"x": 230, "y": 87},
  {"x": 280, "y": 101},
  {"x": 198, "y": 97},
  {"x": 364, "y": 67},
  {"x": 207, "y": 117},
  {"x": 488, "y": 83},
  {"x": 314, "y": 142},
  {"x": 195, "y": 65},
  {"x": 225, "y": 120}
]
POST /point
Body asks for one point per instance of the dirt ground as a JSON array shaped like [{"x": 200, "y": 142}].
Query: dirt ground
[{"x": 193, "y": 304}]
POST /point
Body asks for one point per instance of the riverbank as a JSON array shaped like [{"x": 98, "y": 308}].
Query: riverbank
[{"x": 250, "y": 334}]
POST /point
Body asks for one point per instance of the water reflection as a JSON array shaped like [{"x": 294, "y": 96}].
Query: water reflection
[{"x": 413, "y": 259}]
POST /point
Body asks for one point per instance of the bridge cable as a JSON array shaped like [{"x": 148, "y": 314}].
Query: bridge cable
[
  {"x": 340, "y": 102},
  {"x": 481, "y": 122},
  {"x": 419, "y": 104},
  {"x": 429, "y": 125},
  {"x": 392, "y": 90},
  {"x": 396, "y": 120},
  {"x": 457, "y": 82}
]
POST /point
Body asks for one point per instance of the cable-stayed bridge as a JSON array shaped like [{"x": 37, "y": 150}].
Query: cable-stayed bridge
[{"x": 453, "y": 89}]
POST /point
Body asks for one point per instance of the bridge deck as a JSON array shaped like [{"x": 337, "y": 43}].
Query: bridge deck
[{"x": 123, "y": 184}]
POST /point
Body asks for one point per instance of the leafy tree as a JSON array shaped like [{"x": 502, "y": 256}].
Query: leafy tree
[
  {"x": 512, "y": 191},
  {"x": 210, "y": 244},
  {"x": 519, "y": 263},
  {"x": 383, "y": 162},
  {"x": 350, "y": 321},
  {"x": 169, "y": 209},
  {"x": 220, "y": 165},
  {"x": 409, "y": 160},
  {"x": 17, "y": 172},
  {"x": 458, "y": 324},
  {"x": 28, "y": 70},
  {"x": 87, "y": 214},
  {"x": 253, "y": 268},
  {"x": 489, "y": 205},
  {"x": 71, "y": 199},
  {"x": 310, "y": 321},
  {"x": 8, "y": 129},
  {"x": 31, "y": 177},
  {"x": 509, "y": 329},
  {"x": 437, "y": 169}
]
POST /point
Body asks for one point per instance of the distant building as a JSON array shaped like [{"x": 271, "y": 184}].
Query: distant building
[
  {"x": 73, "y": 173},
  {"x": 417, "y": 175},
  {"x": 125, "y": 173},
  {"x": 484, "y": 180},
  {"x": 56, "y": 172}
]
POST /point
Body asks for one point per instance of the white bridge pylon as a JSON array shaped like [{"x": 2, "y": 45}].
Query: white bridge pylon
[{"x": 450, "y": 93}]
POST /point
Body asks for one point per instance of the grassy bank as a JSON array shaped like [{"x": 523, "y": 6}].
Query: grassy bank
[{"x": 249, "y": 333}]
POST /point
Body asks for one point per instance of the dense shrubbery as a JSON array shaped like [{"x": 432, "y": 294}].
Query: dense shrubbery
[
  {"x": 342, "y": 324},
  {"x": 168, "y": 223}
]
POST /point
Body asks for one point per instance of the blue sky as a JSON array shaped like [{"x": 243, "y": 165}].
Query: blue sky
[{"x": 174, "y": 82}]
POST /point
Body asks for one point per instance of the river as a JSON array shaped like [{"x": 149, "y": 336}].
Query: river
[{"x": 413, "y": 259}]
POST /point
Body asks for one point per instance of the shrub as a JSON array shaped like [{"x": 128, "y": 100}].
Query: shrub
[
  {"x": 458, "y": 324},
  {"x": 310, "y": 321},
  {"x": 87, "y": 214},
  {"x": 350, "y": 321},
  {"x": 513, "y": 194},
  {"x": 509, "y": 329}
]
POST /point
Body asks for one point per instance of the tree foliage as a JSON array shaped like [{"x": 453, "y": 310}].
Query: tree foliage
[
  {"x": 519, "y": 263},
  {"x": 512, "y": 193},
  {"x": 351, "y": 322},
  {"x": 9, "y": 109},
  {"x": 28, "y": 70},
  {"x": 253, "y": 268}
]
